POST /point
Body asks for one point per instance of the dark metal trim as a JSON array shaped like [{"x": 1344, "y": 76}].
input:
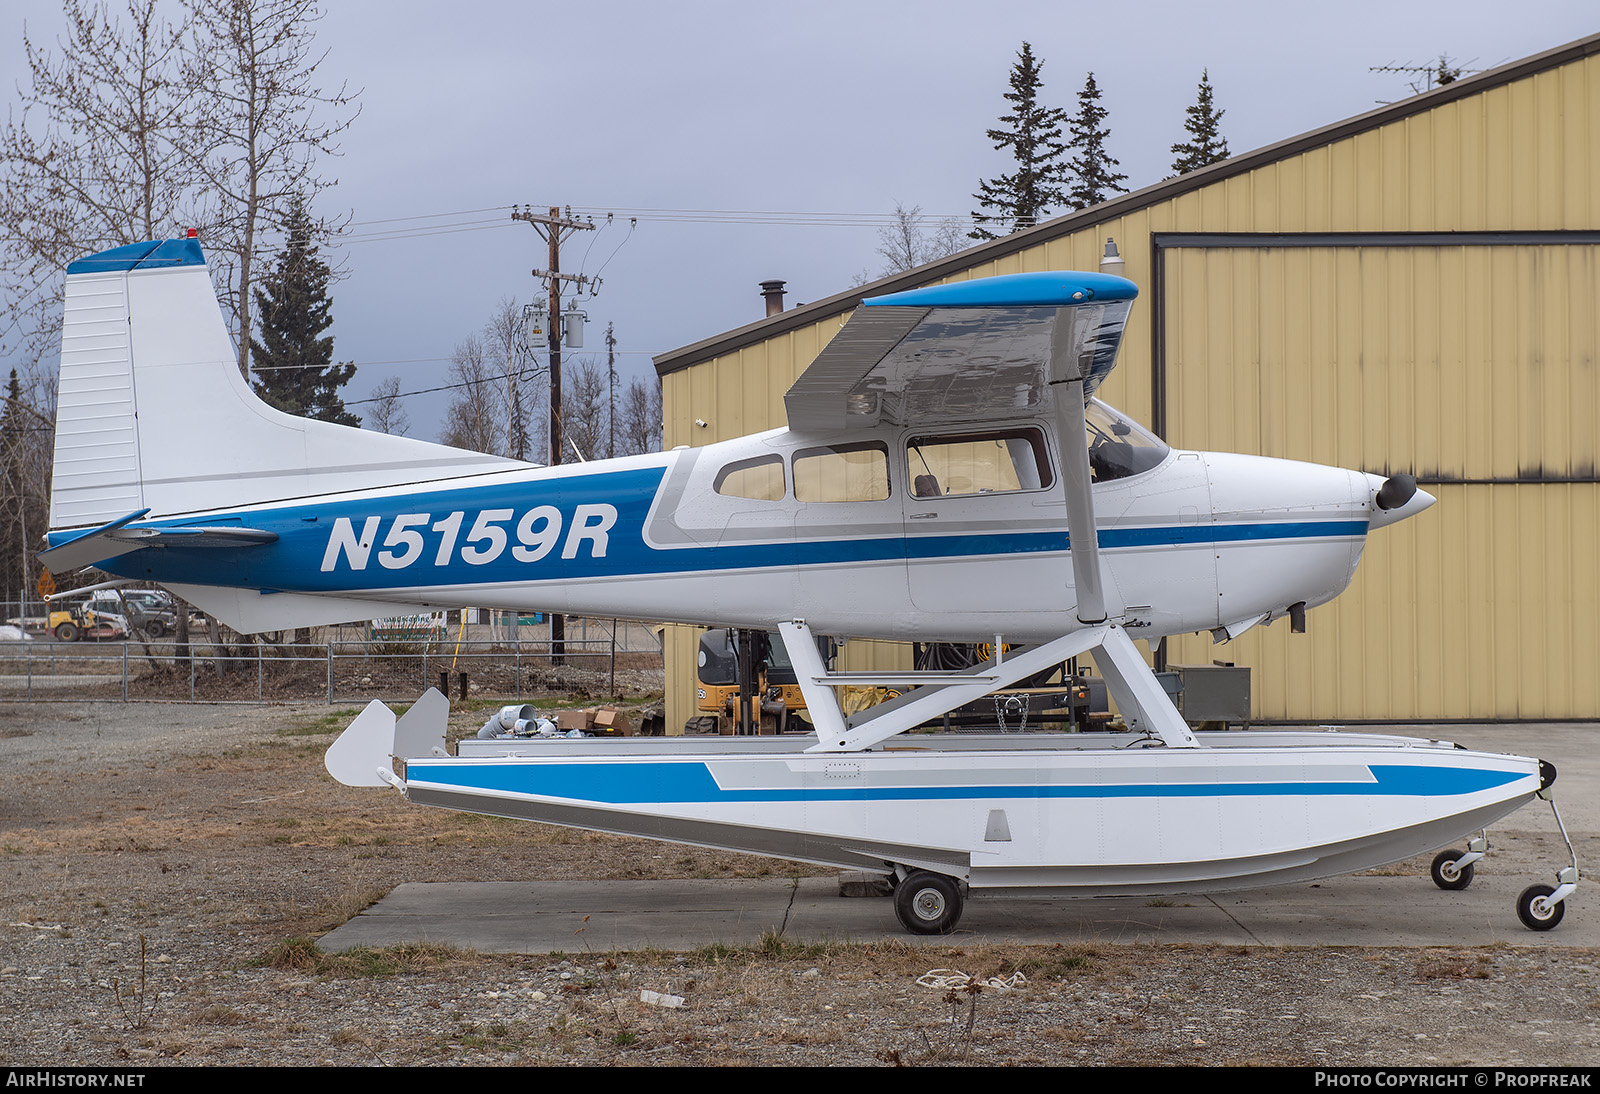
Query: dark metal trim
[
  {"x": 1158, "y": 339},
  {"x": 1560, "y": 480},
  {"x": 1563, "y": 236}
]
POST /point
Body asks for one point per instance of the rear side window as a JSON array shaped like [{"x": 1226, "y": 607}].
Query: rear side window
[
  {"x": 842, "y": 472},
  {"x": 760, "y": 479}
]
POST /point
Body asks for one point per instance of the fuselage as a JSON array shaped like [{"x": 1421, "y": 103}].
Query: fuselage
[{"x": 925, "y": 534}]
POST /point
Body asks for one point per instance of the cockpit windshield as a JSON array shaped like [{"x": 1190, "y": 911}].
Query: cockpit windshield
[{"x": 1119, "y": 446}]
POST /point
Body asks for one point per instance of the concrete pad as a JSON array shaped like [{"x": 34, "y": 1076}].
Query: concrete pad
[{"x": 544, "y": 917}]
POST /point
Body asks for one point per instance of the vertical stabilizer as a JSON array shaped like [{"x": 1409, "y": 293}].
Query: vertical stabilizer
[{"x": 153, "y": 413}]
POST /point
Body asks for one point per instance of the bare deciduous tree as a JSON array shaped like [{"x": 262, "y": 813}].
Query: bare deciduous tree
[
  {"x": 384, "y": 411},
  {"x": 96, "y": 159},
  {"x": 639, "y": 418},
  {"x": 906, "y": 244},
  {"x": 108, "y": 147},
  {"x": 495, "y": 406},
  {"x": 476, "y": 417},
  {"x": 136, "y": 127},
  {"x": 508, "y": 347},
  {"x": 585, "y": 418},
  {"x": 265, "y": 124}
]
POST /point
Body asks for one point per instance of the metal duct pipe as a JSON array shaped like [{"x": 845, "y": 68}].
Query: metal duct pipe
[{"x": 772, "y": 292}]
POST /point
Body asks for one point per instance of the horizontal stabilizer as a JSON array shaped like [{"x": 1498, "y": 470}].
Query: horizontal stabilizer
[
  {"x": 95, "y": 545},
  {"x": 114, "y": 539}
]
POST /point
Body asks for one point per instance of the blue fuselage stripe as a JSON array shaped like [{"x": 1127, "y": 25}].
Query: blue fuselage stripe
[
  {"x": 294, "y": 563},
  {"x": 685, "y": 782}
]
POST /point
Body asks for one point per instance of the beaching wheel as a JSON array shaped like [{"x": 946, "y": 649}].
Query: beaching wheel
[
  {"x": 1537, "y": 913},
  {"x": 1447, "y": 875},
  {"x": 928, "y": 903}
]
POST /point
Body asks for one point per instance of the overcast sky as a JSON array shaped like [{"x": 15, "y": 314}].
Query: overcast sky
[{"x": 811, "y": 107}]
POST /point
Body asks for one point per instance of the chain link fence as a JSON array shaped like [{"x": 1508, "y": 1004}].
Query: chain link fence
[{"x": 346, "y": 665}]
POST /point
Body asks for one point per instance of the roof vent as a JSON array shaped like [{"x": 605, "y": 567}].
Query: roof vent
[{"x": 772, "y": 292}]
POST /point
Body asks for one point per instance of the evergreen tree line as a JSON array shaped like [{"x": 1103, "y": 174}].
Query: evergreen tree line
[{"x": 1063, "y": 162}]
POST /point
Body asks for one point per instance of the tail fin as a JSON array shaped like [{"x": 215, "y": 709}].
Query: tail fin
[{"x": 153, "y": 413}]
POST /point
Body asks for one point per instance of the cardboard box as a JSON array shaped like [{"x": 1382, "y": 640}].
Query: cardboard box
[
  {"x": 575, "y": 719},
  {"x": 612, "y": 722}
]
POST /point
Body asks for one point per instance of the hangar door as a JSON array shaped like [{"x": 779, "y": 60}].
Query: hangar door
[{"x": 1472, "y": 365}]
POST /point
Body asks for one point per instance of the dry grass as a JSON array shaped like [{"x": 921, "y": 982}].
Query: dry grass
[{"x": 1454, "y": 965}]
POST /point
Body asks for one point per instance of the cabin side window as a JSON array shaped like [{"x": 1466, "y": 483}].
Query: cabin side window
[
  {"x": 961, "y": 464},
  {"x": 760, "y": 479},
  {"x": 842, "y": 472}
]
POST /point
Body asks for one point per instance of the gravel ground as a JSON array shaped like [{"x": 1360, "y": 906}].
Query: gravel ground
[{"x": 166, "y": 868}]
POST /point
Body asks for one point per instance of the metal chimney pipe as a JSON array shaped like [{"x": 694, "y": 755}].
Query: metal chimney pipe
[{"x": 772, "y": 292}]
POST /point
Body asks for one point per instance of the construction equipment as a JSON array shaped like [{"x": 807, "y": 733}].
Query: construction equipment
[
  {"x": 81, "y": 621},
  {"x": 771, "y": 693}
]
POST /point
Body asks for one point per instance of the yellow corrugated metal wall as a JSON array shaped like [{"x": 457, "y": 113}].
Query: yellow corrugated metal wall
[
  {"x": 1473, "y": 366},
  {"x": 1367, "y": 356}
]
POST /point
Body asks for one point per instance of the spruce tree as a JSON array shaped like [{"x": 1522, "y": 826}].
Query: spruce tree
[
  {"x": 1023, "y": 198},
  {"x": 16, "y": 506},
  {"x": 293, "y": 359},
  {"x": 1206, "y": 144},
  {"x": 1094, "y": 174}
]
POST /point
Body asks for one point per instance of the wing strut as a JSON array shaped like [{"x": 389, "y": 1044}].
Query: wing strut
[
  {"x": 1075, "y": 476},
  {"x": 1076, "y": 343}
]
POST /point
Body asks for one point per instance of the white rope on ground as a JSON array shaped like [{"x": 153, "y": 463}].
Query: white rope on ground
[{"x": 954, "y": 979}]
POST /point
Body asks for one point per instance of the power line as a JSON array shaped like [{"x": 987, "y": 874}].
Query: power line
[
  {"x": 522, "y": 373},
  {"x": 409, "y": 228},
  {"x": 435, "y": 216},
  {"x": 430, "y": 360},
  {"x": 762, "y": 216}
]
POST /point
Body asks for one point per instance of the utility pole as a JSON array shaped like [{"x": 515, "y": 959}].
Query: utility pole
[
  {"x": 552, "y": 226},
  {"x": 611, "y": 410}
]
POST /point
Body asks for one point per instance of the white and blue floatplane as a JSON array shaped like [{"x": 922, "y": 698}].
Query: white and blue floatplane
[{"x": 946, "y": 474}]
